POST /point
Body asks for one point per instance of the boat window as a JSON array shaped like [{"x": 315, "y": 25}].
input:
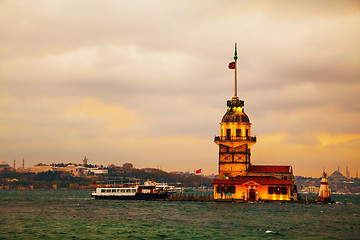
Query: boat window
[
  {"x": 122, "y": 190},
  {"x": 127, "y": 190},
  {"x": 108, "y": 190},
  {"x": 118, "y": 190},
  {"x": 284, "y": 190},
  {"x": 278, "y": 190},
  {"x": 133, "y": 190},
  {"x": 102, "y": 190},
  {"x": 270, "y": 190},
  {"x": 113, "y": 190}
]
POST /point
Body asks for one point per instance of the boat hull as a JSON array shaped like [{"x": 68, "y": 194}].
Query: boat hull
[{"x": 137, "y": 196}]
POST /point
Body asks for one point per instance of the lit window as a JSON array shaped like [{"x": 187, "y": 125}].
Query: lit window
[
  {"x": 232, "y": 189},
  {"x": 219, "y": 189}
]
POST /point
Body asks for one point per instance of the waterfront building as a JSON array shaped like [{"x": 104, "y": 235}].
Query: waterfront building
[{"x": 238, "y": 178}]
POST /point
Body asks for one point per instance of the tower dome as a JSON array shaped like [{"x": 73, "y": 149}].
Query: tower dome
[{"x": 235, "y": 114}]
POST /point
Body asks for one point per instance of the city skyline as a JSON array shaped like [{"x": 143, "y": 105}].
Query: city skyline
[
  {"x": 347, "y": 172},
  {"x": 147, "y": 82}
]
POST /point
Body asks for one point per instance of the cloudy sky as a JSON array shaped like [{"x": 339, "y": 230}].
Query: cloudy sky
[{"x": 146, "y": 82}]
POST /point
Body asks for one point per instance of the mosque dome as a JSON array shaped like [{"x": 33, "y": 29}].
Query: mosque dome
[{"x": 235, "y": 114}]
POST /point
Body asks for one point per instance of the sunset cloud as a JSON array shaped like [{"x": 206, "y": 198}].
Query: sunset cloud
[
  {"x": 147, "y": 81},
  {"x": 326, "y": 139},
  {"x": 117, "y": 116}
]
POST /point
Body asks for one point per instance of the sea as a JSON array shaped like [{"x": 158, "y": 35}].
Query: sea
[{"x": 73, "y": 214}]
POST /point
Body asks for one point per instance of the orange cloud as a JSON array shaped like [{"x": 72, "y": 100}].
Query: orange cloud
[
  {"x": 273, "y": 138},
  {"x": 326, "y": 139},
  {"x": 116, "y": 115}
]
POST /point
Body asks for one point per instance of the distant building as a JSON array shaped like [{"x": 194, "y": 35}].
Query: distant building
[
  {"x": 4, "y": 167},
  {"x": 97, "y": 171},
  {"x": 22, "y": 170},
  {"x": 77, "y": 171},
  {"x": 41, "y": 168},
  {"x": 312, "y": 189}
]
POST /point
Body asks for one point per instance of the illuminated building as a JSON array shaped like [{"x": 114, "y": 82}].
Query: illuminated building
[{"x": 238, "y": 178}]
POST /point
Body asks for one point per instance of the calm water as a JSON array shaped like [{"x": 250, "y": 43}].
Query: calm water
[{"x": 74, "y": 215}]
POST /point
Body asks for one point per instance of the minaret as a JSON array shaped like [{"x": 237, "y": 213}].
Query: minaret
[
  {"x": 235, "y": 138},
  {"x": 23, "y": 165},
  {"x": 324, "y": 192},
  {"x": 85, "y": 161},
  {"x": 14, "y": 164}
]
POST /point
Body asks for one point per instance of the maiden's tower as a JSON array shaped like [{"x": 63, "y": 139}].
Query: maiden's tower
[{"x": 240, "y": 180}]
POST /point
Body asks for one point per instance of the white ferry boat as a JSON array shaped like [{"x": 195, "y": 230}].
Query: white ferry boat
[
  {"x": 146, "y": 191},
  {"x": 164, "y": 187}
]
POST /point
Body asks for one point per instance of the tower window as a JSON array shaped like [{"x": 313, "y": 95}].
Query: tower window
[
  {"x": 228, "y": 134},
  {"x": 247, "y": 132},
  {"x": 238, "y": 132}
]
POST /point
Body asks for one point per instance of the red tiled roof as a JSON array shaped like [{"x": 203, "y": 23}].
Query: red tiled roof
[
  {"x": 269, "y": 169},
  {"x": 255, "y": 179}
]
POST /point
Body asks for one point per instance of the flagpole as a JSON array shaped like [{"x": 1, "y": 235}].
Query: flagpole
[
  {"x": 235, "y": 90},
  {"x": 235, "y": 58}
]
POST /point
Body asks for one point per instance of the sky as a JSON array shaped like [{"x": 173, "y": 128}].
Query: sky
[{"x": 146, "y": 82}]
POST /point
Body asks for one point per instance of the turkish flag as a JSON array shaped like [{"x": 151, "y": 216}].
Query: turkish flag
[
  {"x": 198, "y": 171},
  {"x": 232, "y": 65}
]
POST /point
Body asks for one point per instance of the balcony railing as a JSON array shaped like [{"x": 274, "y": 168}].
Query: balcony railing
[{"x": 236, "y": 139}]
